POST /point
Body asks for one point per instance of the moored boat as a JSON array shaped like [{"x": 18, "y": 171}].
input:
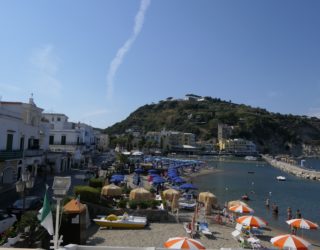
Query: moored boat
[
  {"x": 281, "y": 178},
  {"x": 124, "y": 221}
]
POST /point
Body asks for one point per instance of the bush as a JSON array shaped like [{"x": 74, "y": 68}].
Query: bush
[
  {"x": 88, "y": 194},
  {"x": 154, "y": 203},
  {"x": 126, "y": 190},
  {"x": 133, "y": 204},
  {"x": 144, "y": 204},
  {"x": 123, "y": 203},
  {"x": 96, "y": 182}
]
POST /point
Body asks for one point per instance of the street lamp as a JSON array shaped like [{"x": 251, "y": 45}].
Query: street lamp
[
  {"x": 26, "y": 182},
  {"x": 60, "y": 188}
]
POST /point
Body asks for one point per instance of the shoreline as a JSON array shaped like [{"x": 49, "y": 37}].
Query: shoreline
[
  {"x": 293, "y": 169},
  {"x": 273, "y": 230}
]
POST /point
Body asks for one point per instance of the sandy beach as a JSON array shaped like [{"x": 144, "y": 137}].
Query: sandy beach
[{"x": 158, "y": 233}]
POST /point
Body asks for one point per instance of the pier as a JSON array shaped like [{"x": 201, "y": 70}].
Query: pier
[{"x": 292, "y": 169}]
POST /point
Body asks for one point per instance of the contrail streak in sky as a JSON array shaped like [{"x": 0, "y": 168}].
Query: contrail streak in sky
[{"x": 118, "y": 59}]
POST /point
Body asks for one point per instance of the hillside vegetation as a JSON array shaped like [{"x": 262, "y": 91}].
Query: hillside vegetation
[{"x": 272, "y": 132}]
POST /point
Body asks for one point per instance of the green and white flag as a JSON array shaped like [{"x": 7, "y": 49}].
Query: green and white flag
[{"x": 45, "y": 214}]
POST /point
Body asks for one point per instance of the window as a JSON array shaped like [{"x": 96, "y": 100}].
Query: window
[
  {"x": 52, "y": 119},
  {"x": 21, "y": 143},
  {"x": 58, "y": 119},
  {"x": 9, "y": 142},
  {"x": 51, "y": 140},
  {"x": 63, "y": 140}
]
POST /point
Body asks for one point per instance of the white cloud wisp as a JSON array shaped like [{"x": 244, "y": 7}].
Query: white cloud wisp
[
  {"x": 46, "y": 66},
  {"x": 118, "y": 59}
]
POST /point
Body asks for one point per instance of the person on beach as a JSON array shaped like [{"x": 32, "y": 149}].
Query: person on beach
[
  {"x": 289, "y": 213},
  {"x": 267, "y": 203},
  {"x": 298, "y": 214},
  {"x": 275, "y": 209}
]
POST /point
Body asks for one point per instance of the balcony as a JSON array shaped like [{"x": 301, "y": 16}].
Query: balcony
[
  {"x": 33, "y": 152},
  {"x": 9, "y": 155}
]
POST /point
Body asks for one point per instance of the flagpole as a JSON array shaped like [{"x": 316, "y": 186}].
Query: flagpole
[{"x": 56, "y": 231}]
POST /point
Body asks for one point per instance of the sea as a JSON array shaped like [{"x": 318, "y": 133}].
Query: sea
[{"x": 258, "y": 180}]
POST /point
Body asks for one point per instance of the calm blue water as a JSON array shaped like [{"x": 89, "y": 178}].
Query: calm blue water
[
  {"x": 234, "y": 181},
  {"x": 312, "y": 163}
]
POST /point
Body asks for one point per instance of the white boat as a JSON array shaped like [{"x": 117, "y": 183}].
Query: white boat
[
  {"x": 281, "y": 178},
  {"x": 250, "y": 158},
  {"x": 125, "y": 221}
]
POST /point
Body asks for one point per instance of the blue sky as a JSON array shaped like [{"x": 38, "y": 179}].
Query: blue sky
[{"x": 97, "y": 61}]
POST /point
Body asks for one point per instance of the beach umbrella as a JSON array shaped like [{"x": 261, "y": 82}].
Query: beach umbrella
[
  {"x": 111, "y": 190},
  {"x": 207, "y": 196},
  {"x": 188, "y": 186},
  {"x": 289, "y": 241},
  {"x": 158, "y": 180},
  {"x": 241, "y": 209},
  {"x": 251, "y": 221},
  {"x": 140, "y": 194},
  {"x": 236, "y": 202},
  {"x": 169, "y": 193},
  {"x": 138, "y": 170},
  {"x": 183, "y": 243},
  {"x": 302, "y": 223},
  {"x": 179, "y": 180},
  {"x": 117, "y": 176},
  {"x": 152, "y": 171},
  {"x": 175, "y": 202}
]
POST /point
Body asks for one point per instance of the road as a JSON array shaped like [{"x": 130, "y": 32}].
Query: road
[{"x": 39, "y": 188}]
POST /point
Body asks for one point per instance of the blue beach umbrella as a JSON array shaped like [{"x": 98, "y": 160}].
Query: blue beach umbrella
[
  {"x": 139, "y": 170},
  {"x": 188, "y": 186},
  {"x": 179, "y": 180},
  {"x": 152, "y": 171}
]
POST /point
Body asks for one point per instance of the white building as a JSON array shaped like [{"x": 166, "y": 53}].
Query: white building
[
  {"x": 19, "y": 140},
  {"x": 75, "y": 139}
]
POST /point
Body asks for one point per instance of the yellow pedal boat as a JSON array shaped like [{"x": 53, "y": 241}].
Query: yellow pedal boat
[{"x": 124, "y": 221}]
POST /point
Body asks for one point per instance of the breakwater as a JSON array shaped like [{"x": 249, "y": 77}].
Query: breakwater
[{"x": 293, "y": 169}]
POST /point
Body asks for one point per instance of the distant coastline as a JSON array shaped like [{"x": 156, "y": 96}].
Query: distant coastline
[{"x": 293, "y": 169}]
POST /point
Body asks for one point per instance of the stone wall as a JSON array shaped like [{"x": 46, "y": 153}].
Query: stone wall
[{"x": 293, "y": 169}]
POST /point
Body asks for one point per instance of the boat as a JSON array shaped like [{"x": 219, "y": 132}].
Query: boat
[
  {"x": 250, "y": 158},
  {"x": 281, "y": 178},
  {"x": 124, "y": 221}
]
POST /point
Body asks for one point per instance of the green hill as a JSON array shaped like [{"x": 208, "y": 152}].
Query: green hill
[{"x": 272, "y": 132}]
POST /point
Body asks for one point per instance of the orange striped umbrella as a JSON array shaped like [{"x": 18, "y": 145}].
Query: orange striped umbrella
[
  {"x": 243, "y": 209},
  {"x": 289, "y": 241},
  {"x": 252, "y": 221},
  {"x": 183, "y": 243},
  {"x": 302, "y": 223}
]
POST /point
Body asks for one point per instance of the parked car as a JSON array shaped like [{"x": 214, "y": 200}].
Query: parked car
[
  {"x": 6, "y": 220},
  {"x": 26, "y": 204}
]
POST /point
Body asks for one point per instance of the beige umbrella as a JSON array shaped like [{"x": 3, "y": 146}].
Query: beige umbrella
[
  {"x": 207, "y": 196},
  {"x": 140, "y": 194},
  {"x": 169, "y": 193},
  {"x": 175, "y": 202},
  {"x": 236, "y": 203},
  {"x": 207, "y": 207},
  {"x": 111, "y": 190}
]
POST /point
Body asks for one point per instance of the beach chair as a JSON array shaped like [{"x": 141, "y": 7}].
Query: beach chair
[{"x": 236, "y": 234}]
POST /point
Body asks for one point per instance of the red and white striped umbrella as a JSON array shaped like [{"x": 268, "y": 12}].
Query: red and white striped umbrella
[
  {"x": 302, "y": 223},
  {"x": 289, "y": 241},
  {"x": 243, "y": 209},
  {"x": 251, "y": 221},
  {"x": 183, "y": 243}
]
